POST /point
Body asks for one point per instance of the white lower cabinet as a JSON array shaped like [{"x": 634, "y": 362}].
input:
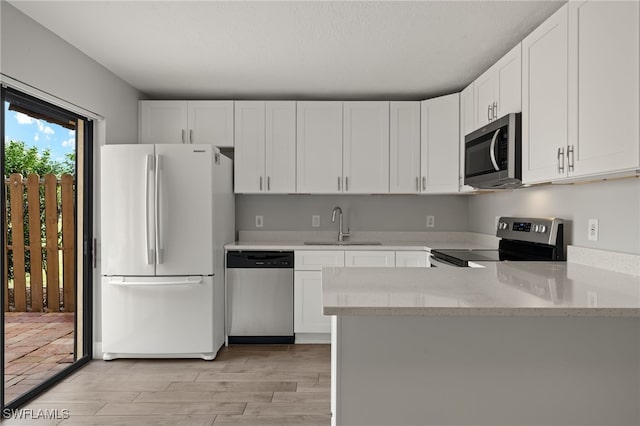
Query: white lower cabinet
[
  {"x": 308, "y": 318},
  {"x": 307, "y": 312},
  {"x": 412, "y": 259}
]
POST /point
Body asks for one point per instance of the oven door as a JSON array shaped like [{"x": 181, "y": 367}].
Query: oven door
[{"x": 441, "y": 263}]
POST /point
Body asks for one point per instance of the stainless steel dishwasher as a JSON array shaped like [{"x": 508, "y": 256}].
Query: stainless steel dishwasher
[{"x": 260, "y": 297}]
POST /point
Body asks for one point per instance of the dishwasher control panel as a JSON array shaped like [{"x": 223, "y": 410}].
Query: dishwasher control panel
[{"x": 260, "y": 259}]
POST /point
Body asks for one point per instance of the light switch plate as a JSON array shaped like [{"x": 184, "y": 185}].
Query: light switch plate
[
  {"x": 259, "y": 221},
  {"x": 315, "y": 221}
]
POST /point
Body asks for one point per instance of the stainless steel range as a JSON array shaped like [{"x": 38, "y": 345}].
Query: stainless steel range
[{"x": 522, "y": 239}]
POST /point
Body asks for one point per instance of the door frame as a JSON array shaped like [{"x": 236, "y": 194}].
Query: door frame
[{"x": 87, "y": 245}]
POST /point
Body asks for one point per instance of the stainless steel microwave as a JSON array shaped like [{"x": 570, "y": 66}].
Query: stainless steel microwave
[{"x": 493, "y": 154}]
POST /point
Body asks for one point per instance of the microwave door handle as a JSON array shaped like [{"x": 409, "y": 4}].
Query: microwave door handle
[{"x": 492, "y": 151}]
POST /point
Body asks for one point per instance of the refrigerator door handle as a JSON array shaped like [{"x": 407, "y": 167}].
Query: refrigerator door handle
[
  {"x": 159, "y": 249},
  {"x": 150, "y": 250},
  {"x": 122, "y": 282}
]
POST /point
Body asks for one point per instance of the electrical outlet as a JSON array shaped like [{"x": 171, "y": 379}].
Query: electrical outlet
[
  {"x": 431, "y": 221},
  {"x": 315, "y": 221},
  {"x": 259, "y": 221},
  {"x": 593, "y": 230}
]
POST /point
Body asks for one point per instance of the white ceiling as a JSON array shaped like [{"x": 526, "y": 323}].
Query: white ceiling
[{"x": 295, "y": 49}]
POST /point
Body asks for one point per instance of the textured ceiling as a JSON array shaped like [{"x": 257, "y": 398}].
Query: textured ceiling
[{"x": 293, "y": 50}]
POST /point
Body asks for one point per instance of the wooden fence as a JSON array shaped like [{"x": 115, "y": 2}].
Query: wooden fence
[{"x": 34, "y": 248}]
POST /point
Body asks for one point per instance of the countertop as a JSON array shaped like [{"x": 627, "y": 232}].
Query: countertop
[{"x": 498, "y": 289}]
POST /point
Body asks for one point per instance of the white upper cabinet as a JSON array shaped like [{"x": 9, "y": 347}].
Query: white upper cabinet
[
  {"x": 280, "y": 147},
  {"x": 545, "y": 100},
  {"x": 163, "y": 122},
  {"x": 466, "y": 126},
  {"x": 497, "y": 91},
  {"x": 604, "y": 87},
  {"x": 249, "y": 152},
  {"x": 319, "y": 147},
  {"x": 211, "y": 122},
  {"x": 366, "y": 147},
  {"x": 265, "y": 147},
  {"x": 440, "y": 143},
  {"x": 203, "y": 122},
  {"x": 404, "y": 147}
]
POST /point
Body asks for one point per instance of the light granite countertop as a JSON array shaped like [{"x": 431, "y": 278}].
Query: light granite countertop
[
  {"x": 397, "y": 241},
  {"x": 498, "y": 289}
]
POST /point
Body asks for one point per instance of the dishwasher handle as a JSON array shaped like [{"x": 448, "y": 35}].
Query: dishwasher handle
[{"x": 260, "y": 259}]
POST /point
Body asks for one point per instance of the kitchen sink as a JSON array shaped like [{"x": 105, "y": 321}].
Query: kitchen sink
[{"x": 342, "y": 243}]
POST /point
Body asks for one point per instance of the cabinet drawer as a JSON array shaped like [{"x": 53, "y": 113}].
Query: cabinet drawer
[
  {"x": 315, "y": 260},
  {"x": 411, "y": 259},
  {"x": 370, "y": 258}
]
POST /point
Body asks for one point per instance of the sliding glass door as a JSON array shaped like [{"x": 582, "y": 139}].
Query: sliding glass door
[{"x": 46, "y": 240}]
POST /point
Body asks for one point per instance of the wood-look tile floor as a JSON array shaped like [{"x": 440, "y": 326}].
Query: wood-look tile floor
[{"x": 244, "y": 385}]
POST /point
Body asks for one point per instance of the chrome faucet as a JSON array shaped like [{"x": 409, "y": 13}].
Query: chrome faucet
[{"x": 341, "y": 234}]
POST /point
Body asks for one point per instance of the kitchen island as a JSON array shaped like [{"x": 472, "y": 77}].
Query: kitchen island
[{"x": 514, "y": 343}]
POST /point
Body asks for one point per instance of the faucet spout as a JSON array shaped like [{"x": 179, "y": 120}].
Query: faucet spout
[{"x": 341, "y": 234}]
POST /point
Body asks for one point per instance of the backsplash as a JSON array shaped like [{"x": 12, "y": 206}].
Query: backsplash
[
  {"x": 615, "y": 203},
  {"x": 360, "y": 212}
]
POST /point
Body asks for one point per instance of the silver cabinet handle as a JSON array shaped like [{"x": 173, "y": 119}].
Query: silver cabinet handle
[
  {"x": 190, "y": 135},
  {"x": 417, "y": 184},
  {"x": 268, "y": 183},
  {"x": 424, "y": 182},
  {"x": 495, "y": 110},
  {"x": 338, "y": 183},
  {"x": 570, "y": 160},
  {"x": 488, "y": 112},
  {"x": 560, "y": 160},
  {"x": 346, "y": 183},
  {"x": 260, "y": 183},
  {"x": 183, "y": 136}
]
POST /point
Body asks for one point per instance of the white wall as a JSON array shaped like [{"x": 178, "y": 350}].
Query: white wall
[
  {"x": 361, "y": 212},
  {"x": 616, "y": 204},
  {"x": 37, "y": 57}
]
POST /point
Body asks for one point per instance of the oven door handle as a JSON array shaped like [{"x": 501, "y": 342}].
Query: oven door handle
[{"x": 492, "y": 151}]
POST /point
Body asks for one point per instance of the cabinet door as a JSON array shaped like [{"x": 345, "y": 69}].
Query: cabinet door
[
  {"x": 508, "y": 82},
  {"x": 544, "y": 99},
  {"x": 366, "y": 147},
  {"x": 466, "y": 126},
  {"x": 280, "y": 148},
  {"x": 404, "y": 147},
  {"x": 373, "y": 258},
  {"x": 163, "y": 122},
  {"x": 604, "y": 86},
  {"x": 249, "y": 147},
  {"x": 483, "y": 98},
  {"x": 211, "y": 122},
  {"x": 411, "y": 259},
  {"x": 319, "y": 147},
  {"x": 307, "y": 307},
  {"x": 440, "y": 137}
]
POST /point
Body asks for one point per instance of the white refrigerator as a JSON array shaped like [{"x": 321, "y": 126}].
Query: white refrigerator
[{"x": 166, "y": 213}]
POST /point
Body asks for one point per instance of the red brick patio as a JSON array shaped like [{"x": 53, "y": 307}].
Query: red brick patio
[{"x": 36, "y": 346}]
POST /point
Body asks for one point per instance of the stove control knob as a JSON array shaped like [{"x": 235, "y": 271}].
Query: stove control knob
[
  {"x": 503, "y": 225},
  {"x": 542, "y": 229},
  {"x": 535, "y": 228}
]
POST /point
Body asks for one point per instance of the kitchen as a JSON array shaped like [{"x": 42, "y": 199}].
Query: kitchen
[{"x": 614, "y": 203}]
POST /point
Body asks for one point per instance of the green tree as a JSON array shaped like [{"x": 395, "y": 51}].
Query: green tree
[{"x": 19, "y": 158}]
